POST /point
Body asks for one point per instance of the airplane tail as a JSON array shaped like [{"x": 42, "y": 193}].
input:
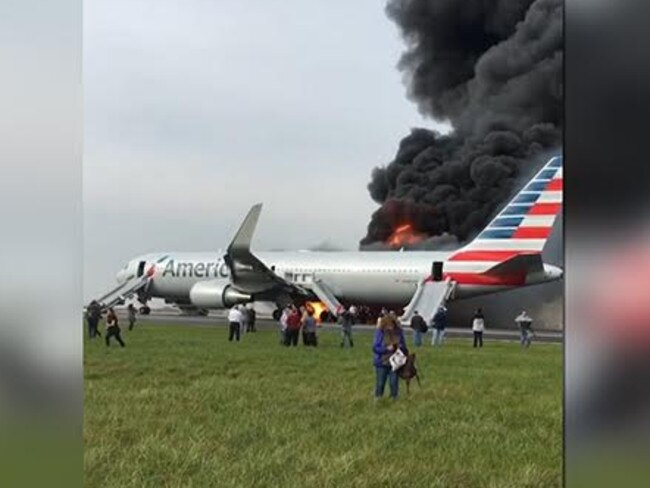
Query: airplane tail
[{"x": 524, "y": 225}]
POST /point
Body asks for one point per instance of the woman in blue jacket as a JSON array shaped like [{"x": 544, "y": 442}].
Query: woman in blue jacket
[{"x": 389, "y": 336}]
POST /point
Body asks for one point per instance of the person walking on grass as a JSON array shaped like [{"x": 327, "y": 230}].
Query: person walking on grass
[
  {"x": 112, "y": 328},
  {"x": 525, "y": 324},
  {"x": 419, "y": 327},
  {"x": 303, "y": 315},
  {"x": 354, "y": 311},
  {"x": 439, "y": 326},
  {"x": 283, "y": 324},
  {"x": 252, "y": 315},
  {"x": 478, "y": 326},
  {"x": 234, "y": 320},
  {"x": 293, "y": 327},
  {"x": 93, "y": 314},
  {"x": 345, "y": 320},
  {"x": 389, "y": 337},
  {"x": 309, "y": 328},
  {"x": 243, "y": 325},
  {"x": 130, "y": 310}
]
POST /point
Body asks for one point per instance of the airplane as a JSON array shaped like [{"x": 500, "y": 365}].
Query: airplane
[{"x": 505, "y": 255}]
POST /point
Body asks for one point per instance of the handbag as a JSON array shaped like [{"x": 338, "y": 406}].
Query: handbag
[{"x": 397, "y": 360}]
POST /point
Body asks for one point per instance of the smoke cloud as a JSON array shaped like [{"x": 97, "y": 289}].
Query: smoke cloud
[{"x": 493, "y": 70}]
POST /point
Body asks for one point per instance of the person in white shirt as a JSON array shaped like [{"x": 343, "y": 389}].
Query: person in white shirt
[
  {"x": 235, "y": 319},
  {"x": 525, "y": 323},
  {"x": 478, "y": 326},
  {"x": 283, "y": 324},
  {"x": 243, "y": 325},
  {"x": 354, "y": 311}
]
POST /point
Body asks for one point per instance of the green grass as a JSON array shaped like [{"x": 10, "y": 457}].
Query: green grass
[{"x": 180, "y": 406}]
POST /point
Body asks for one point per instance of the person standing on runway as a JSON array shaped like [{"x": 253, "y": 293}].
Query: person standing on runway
[
  {"x": 235, "y": 320},
  {"x": 439, "y": 326},
  {"x": 131, "y": 315},
  {"x": 478, "y": 326},
  {"x": 419, "y": 327}
]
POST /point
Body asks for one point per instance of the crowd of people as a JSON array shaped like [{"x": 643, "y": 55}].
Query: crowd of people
[
  {"x": 293, "y": 320},
  {"x": 390, "y": 352},
  {"x": 94, "y": 314},
  {"x": 438, "y": 327}
]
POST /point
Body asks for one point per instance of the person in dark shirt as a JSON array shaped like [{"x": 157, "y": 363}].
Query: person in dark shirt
[
  {"x": 419, "y": 327},
  {"x": 131, "y": 313},
  {"x": 439, "y": 326},
  {"x": 112, "y": 328},
  {"x": 93, "y": 315},
  {"x": 309, "y": 328},
  {"x": 252, "y": 315},
  {"x": 293, "y": 327}
]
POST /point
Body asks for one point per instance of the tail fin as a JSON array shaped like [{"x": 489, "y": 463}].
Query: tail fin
[{"x": 524, "y": 225}]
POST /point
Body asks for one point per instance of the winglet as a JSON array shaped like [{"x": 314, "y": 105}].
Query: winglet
[{"x": 244, "y": 236}]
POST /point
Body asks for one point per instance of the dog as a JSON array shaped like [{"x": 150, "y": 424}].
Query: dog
[{"x": 409, "y": 371}]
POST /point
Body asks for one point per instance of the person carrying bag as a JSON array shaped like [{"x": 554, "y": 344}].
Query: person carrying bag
[{"x": 389, "y": 339}]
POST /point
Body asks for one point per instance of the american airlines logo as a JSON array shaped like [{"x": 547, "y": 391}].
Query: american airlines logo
[{"x": 209, "y": 269}]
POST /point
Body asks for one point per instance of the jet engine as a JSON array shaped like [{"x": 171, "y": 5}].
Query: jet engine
[{"x": 216, "y": 294}]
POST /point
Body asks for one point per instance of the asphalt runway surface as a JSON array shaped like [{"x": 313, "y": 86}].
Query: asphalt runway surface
[{"x": 171, "y": 318}]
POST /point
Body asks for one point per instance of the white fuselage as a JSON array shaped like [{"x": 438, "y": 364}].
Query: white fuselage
[{"x": 386, "y": 277}]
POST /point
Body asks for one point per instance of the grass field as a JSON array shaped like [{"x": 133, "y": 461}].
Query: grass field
[{"x": 180, "y": 406}]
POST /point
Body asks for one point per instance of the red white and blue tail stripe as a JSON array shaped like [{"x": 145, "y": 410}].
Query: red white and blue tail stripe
[{"x": 523, "y": 226}]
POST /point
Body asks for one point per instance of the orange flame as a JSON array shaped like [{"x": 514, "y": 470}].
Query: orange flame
[
  {"x": 404, "y": 235},
  {"x": 317, "y": 308}
]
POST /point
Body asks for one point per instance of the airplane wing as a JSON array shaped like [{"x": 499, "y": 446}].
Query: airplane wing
[{"x": 247, "y": 273}]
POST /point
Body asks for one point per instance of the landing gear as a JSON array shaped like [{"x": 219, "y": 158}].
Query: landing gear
[
  {"x": 143, "y": 298},
  {"x": 277, "y": 313}
]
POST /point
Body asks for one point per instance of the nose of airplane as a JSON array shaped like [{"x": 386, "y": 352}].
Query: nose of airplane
[{"x": 553, "y": 272}]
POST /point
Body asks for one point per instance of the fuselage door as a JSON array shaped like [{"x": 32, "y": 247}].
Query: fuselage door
[{"x": 436, "y": 271}]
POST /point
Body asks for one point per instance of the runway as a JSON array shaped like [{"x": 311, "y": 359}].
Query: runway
[{"x": 163, "y": 318}]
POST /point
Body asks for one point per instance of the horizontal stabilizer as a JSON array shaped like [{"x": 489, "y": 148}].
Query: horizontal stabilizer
[{"x": 524, "y": 265}]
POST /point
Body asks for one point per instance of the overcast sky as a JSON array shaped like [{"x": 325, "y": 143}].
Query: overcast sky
[{"x": 197, "y": 109}]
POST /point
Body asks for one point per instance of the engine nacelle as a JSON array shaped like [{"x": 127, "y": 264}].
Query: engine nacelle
[{"x": 216, "y": 294}]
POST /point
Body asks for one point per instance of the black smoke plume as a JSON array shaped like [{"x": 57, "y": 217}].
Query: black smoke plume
[{"x": 493, "y": 70}]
